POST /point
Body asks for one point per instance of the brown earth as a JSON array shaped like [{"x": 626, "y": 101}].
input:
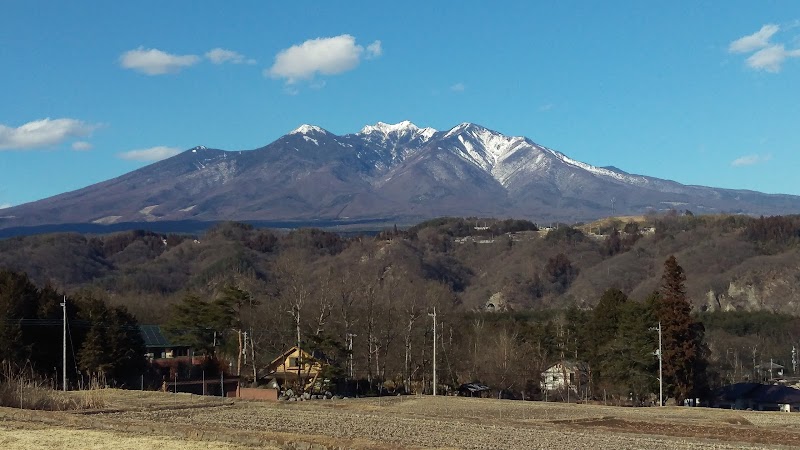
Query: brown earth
[{"x": 142, "y": 419}]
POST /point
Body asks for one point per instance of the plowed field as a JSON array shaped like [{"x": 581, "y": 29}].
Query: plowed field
[{"x": 147, "y": 420}]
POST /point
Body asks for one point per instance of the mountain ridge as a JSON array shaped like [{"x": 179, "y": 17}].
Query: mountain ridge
[{"x": 384, "y": 170}]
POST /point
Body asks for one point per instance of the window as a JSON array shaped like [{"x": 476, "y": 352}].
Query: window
[
  {"x": 572, "y": 378},
  {"x": 292, "y": 362}
]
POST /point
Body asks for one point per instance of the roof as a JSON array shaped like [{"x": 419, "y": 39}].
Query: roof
[
  {"x": 570, "y": 365},
  {"x": 762, "y": 393},
  {"x": 473, "y": 387},
  {"x": 769, "y": 366},
  {"x": 152, "y": 336},
  {"x": 736, "y": 391},
  {"x": 778, "y": 394},
  {"x": 314, "y": 356}
]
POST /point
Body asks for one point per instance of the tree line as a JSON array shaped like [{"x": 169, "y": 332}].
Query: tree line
[
  {"x": 383, "y": 311},
  {"x": 103, "y": 342},
  {"x": 376, "y": 292}
]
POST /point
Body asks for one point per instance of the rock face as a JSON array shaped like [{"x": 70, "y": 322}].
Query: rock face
[{"x": 399, "y": 172}]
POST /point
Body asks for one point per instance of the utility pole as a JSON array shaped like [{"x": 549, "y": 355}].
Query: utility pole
[
  {"x": 64, "y": 348},
  {"x": 659, "y": 352},
  {"x": 253, "y": 356},
  {"x": 770, "y": 369},
  {"x": 660, "y": 370},
  {"x": 435, "y": 385},
  {"x": 350, "y": 351},
  {"x": 244, "y": 349}
]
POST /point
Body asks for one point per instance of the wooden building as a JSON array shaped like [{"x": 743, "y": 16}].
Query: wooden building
[
  {"x": 296, "y": 367},
  {"x": 572, "y": 375}
]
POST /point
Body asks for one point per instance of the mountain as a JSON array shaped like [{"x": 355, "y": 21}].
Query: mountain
[{"x": 398, "y": 172}]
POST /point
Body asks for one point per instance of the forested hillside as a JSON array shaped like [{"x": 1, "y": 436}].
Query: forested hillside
[{"x": 512, "y": 298}]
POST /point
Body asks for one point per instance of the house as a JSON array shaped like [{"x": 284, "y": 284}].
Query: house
[
  {"x": 572, "y": 375},
  {"x": 165, "y": 356},
  {"x": 296, "y": 366},
  {"x": 473, "y": 389},
  {"x": 769, "y": 371},
  {"x": 757, "y": 397},
  {"x": 157, "y": 346}
]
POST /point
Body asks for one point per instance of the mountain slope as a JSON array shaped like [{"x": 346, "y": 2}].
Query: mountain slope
[{"x": 397, "y": 171}]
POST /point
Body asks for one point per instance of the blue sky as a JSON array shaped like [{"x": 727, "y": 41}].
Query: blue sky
[{"x": 701, "y": 92}]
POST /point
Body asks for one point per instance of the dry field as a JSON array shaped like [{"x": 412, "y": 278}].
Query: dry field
[{"x": 142, "y": 419}]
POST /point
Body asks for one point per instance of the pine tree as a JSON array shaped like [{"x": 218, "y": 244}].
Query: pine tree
[
  {"x": 683, "y": 349},
  {"x": 632, "y": 365},
  {"x": 603, "y": 326},
  {"x": 113, "y": 346},
  {"x": 606, "y": 315},
  {"x": 194, "y": 324},
  {"x": 18, "y": 298}
]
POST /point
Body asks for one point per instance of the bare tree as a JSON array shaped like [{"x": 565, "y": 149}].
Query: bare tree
[{"x": 295, "y": 290}]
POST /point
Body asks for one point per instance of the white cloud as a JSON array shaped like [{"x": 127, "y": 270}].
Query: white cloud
[
  {"x": 81, "y": 146},
  {"x": 150, "y": 154},
  {"x": 458, "y": 87},
  {"x": 5, "y": 205},
  {"x": 771, "y": 58},
  {"x": 42, "y": 133},
  {"x": 768, "y": 57},
  {"x": 221, "y": 56},
  {"x": 155, "y": 62},
  {"x": 546, "y": 107},
  {"x": 374, "y": 50},
  {"x": 755, "y": 41},
  {"x": 326, "y": 56},
  {"x": 749, "y": 160}
]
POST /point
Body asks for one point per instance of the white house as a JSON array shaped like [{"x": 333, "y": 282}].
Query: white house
[{"x": 565, "y": 374}]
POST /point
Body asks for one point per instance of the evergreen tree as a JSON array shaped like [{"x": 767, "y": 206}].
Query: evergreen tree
[
  {"x": 579, "y": 337},
  {"x": 683, "y": 349},
  {"x": 93, "y": 356},
  {"x": 629, "y": 363},
  {"x": 113, "y": 346},
  {"x": 193, "y": 323},
  {"x": 229, "y": 311},
  {"x": 18, "y": 299},
  {"x": 613, "y": 243},
  {"x": 125, "y": 345},
  {"x": 603, "y": 327},
  {"x": 606, "y": 315}
]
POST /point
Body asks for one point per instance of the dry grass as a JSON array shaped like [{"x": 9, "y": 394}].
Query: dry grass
[
  {"x": 32, "y": 395},
  {"x": 21, "y": 388},
  {"x": 409, "y": 422},
  {"x": 25, "y": 436}
]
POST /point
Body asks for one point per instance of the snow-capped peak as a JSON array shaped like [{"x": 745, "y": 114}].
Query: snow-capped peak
[
  {"x": 485, "y": 147},
  {"x": 306, "y": 129},
  {"x": 403, "y": 127},
  {"x": 458, "y": 128}
]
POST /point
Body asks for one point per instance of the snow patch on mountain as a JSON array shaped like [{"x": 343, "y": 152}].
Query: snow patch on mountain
[
  {"x": 486, "y": 148},
  {"x": 307, "y": 129},
  {"x": 404, "y": 128},
  {"x": 625, "y": 178},
  {"x": 533, "y": 162}
]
